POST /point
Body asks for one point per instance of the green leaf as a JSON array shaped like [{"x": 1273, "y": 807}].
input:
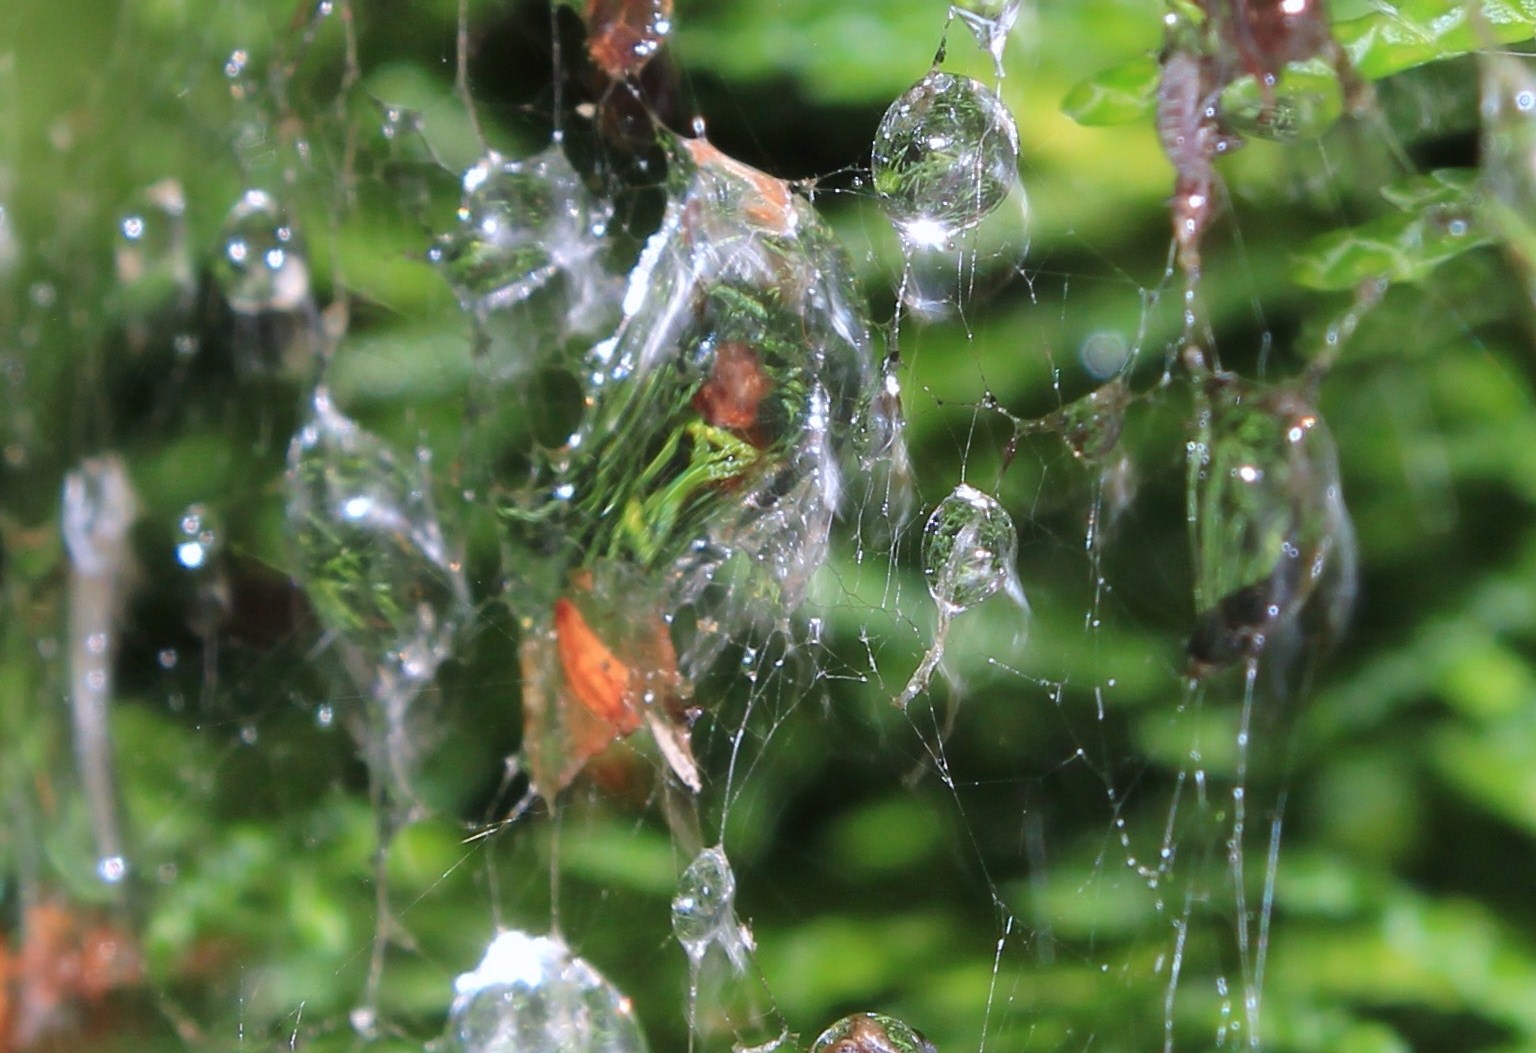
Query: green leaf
[
  {"x": 1406, "y": 247},
  {"x": 1117, "y": 95}
]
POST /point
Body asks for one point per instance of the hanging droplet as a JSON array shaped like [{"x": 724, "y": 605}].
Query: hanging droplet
[
  {"x": 1274, "y": 548},
  {"x": 371, "y": 557},
  {"x": 989, "y": 21},
  {"x": 970, "y": 550},
  {"x": 529, "y": 994},
  {"x": 871, "y": 1033},
  {"x": 522, "y": 225},
  {"x": 99, "y": 508},
  {"x": 197, "y": 538},
  {"x": 704, "y": 908},
  {"x": 261, "y": 267},
  {"x": 945, "y": 155},
  {"x": 10, "y": 248},
  {"x": 623, "y": 35},
  {"x": 1509, "y": 154},
  {"x": 152, "y": 261},
  {"x": 719, "y": 424}
]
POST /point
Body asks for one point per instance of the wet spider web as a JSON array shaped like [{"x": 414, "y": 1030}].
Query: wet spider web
[{"x": 893, "y": 589}]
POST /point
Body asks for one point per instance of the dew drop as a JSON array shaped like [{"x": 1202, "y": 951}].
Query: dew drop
[
  {"x": 1273, "y": 543},
  {"x": 261, "y": 266},
  {"x": 197, "y": 538},
  {"x": 970, "y": 550},
  {"x": 370, "y": 554},
  {"x": 990, "y": 21},
  {"x": 1509, "y": 155},
  {"x": 871, "y": 1033},
  {"x": 10, "y": 247},
  {"x": 531, "y": 995},
  {"x": 704, "y": 907},
  {"x": 112, "y": 869},
  {"x": 151, "y": 258},
  {"x": 945, "y": 155},
  {"x": 522, "y": 223}
]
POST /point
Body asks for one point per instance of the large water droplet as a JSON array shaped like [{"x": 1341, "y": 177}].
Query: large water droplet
[
  {"x": 1273, "y": 543},
  {"x": 261, "y": 266},
  {"x": 720, "y": 420},
  {"x": 100, "y": 506},
  {"x": 623, "y": 35},
  {"x": 529, "y": 994},
  {"x": 945, "y": 155},
  {"x": 970, "y": 550},
  {"x": 871, "y": 1033},
  {"x": 151, "y": 257},
  {"x": 523, "y": 225},
  {"x": 722, "y": 411},
  {"x": 704, "y": 908},
  {"x": 371, "y": 557}
]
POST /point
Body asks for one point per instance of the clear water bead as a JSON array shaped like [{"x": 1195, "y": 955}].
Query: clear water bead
[
  {"x": 197, "y": 538},
  {"x": 151, "y": 258},
  {"x": 1274, "y": 547},
  {"x": 970, "y": 549},
  {"x": 523, "y": 224},
  {"x": 703, "y": 910},
  {"x": 871, "y": 1033},
  {"x": 530, "y": 994},
  {"x": 261, "y": 267},
  {"x": 1509, "y": 154},
  {"x": 945, "y": 155},
  {"x": 371, "y": 554},
  {"x": 988, "y": 20}
]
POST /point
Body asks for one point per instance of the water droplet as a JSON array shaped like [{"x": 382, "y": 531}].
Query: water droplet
[
  {"x": 623, "y": 35},
  {"x": 262, "y": 266},
  {"x": 371, "y": 556},
  {"x": 168, "y": 658},
  {"x": 10, "y": 247},
  {"x": 970, "y": 550},
  {"x": 718, "y": 424},
  {"x": 531, "y": 995},
  {"x": 945, "y": 155},
  {"x": 1273, "y": 543},
  {"x": 197, "y": 538},
  {"x": 151, "y": 257},
  {"x": 871, "y": 1033},
  {"x": 1509, "y": 154},
  {"x": 325, "y": 715},
  {"x": 990, "y": 21},
  {"x": 112, "y": 869},
  {"x": 704, "y": 908}
]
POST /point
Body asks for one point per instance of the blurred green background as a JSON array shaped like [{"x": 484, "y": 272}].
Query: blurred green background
[{"x": 963, "y": 867}]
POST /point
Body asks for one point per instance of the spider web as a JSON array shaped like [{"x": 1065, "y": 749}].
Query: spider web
[{"x": 318, "y": 808}]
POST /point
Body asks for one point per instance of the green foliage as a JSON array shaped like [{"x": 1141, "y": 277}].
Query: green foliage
[{"x": 1403, "y": 915}]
